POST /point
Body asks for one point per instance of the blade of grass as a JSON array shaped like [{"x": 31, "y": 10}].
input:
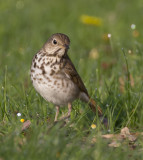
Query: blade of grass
[
  {"x": 133, "y": 112},
  {"x": 5, "y": 115},
  {"x": 128, "y": 78}
]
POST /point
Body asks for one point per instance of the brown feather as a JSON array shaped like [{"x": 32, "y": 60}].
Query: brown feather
[
  {"x": 93, "y": 107},
  {"x": 70, "y": 70}
]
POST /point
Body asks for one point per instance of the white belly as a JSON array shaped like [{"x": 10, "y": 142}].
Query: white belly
[{"x": 57, "y": 94}]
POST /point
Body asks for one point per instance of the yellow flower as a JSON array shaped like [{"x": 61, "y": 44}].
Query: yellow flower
[
  {"x": 93, "y": 126},
  {"x": 85, "y": 19},
  {"x": 22, "y": 120}
]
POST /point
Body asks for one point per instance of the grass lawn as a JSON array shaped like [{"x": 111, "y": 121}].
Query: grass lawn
[{"x": 108, "y": 54}]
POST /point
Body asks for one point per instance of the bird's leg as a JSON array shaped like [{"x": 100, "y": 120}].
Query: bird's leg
[
  {"x": 57, "y": 113},
  {"x": 69, "y": 109},
  {"x": 69, "y": 112}
]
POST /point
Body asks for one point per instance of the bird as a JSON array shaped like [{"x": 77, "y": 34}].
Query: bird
[{"x": 55, "y": 77}]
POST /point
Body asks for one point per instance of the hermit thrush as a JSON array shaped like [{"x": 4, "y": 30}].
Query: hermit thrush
[{"x": 54, "y": 76}]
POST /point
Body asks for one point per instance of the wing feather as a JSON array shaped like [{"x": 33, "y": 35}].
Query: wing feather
[{"x": 71, "y": 73}]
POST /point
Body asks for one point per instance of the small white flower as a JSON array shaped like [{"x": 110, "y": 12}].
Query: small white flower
[
  {"x": 18, "y": 114},
  {"x": 107, "y": 105},
  {"x": 133, "y": 26},
  {"x": 109, "y": 35}
]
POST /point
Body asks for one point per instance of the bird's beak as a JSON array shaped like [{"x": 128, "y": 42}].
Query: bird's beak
[
  {"x": 66, "y": 46},
  {"x": 63, "y": 50}
]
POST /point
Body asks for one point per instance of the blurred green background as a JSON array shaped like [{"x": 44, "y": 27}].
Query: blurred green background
[{"x": 111, "y": 68}]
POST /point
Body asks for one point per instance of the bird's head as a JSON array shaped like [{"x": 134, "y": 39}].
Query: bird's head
[{"x": 57, "y": 45}]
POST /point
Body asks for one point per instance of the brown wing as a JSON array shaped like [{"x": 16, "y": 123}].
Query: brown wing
[{"x": 70, "y": 70}]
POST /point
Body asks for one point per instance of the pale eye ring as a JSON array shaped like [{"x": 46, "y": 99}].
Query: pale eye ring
[{"x": 54, "y": 41}]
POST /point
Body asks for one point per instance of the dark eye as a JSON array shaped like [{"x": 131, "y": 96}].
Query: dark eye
[{"x": 54, "y": 41}]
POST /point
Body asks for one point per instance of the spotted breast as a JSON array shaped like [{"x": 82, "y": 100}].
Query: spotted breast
[{"x": 50, "y": 81}]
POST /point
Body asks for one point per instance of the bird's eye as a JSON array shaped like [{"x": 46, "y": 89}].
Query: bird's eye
[{"x": 54, "y": 41}]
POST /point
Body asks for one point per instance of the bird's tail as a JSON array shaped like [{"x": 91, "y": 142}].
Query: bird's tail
[
  {"x": 94, "y": 107},
  {"x": 85, "y": 97}
]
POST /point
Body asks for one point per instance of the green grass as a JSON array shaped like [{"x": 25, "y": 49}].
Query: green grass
[{"x": 24, "y": 26}]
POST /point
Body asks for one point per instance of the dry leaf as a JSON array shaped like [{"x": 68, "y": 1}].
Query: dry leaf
[
  {"x": 106, "y": 65},
  {"x": 132, "y": 80},
  {"x": 118, "y": 139},
  {"x": 135, "y": 33},
  {"x": 114, "y": 144},
  {"x": 132, "y": 138},
  {"x": 108, "y": 136},
  {"x": 26, "y": 125},
  {"x": 112, "y": 136},
  {"x": 125, "y": 131},
  {"x": 94, "y": 54},
  {"x": 93, "y": 140},
  {"x": 122, "y": 84},
  {"x": 141, "y": 133}
]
